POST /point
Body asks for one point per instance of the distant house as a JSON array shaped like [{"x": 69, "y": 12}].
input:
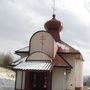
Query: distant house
[{"x": 48, "y": 63}]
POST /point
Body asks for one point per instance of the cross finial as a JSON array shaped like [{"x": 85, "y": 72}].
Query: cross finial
[{"x": 53, "y": 7}]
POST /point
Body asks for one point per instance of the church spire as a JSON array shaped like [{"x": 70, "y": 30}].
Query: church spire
[
  {"x": 53, "y": 7},
  {"x": 54, "y": 26},
  {"x": 53, "y": 16}
]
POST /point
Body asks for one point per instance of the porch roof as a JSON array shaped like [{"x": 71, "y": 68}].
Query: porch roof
[{"x": 35, "y": 66}]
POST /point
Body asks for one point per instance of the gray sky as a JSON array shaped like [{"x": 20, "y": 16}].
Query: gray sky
[{"x": 19, "y": 19}]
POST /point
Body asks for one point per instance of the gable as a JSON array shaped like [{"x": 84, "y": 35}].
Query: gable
[
  {"x": 61, "y": 62},
  {"x": 38, "y": 56},
  {"x": 44, "y": 42}
]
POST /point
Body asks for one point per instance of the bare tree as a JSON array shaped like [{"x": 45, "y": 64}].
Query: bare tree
[{"x": 87, "y": 81}]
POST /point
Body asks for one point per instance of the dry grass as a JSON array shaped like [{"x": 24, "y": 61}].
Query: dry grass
[{"x": 6, "y": 73}]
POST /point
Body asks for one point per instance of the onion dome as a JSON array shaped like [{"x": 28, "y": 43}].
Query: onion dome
[{"x": 53, "y": 24}]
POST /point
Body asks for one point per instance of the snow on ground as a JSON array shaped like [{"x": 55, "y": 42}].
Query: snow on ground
[{"x": 7, "y": 79}]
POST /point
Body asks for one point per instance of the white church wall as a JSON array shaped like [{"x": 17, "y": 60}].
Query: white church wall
[
  {"x": 70, "y": 58},
  {"x": 18, "y": 79},
  {"x": 70, "y": 76},
  {"x": 75, "y": 78},
  {"x": 38, "y": 56},
  {"x": 79, "y": 73},
  {"x": 58, "y": 79},
  {"x": 70, "y": 80}
]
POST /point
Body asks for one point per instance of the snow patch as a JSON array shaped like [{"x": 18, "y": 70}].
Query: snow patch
[{"x": 7, "y": 79}]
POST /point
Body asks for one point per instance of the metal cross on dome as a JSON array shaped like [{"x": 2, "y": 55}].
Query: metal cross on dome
[
  {"x": 53, "y": 6},
  {"x": 42, "y": 41}
]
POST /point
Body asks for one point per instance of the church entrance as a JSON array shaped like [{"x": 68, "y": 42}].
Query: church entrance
[{"x": 38, "y": 81}]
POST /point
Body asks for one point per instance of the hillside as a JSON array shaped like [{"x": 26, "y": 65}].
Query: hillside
[{"x": 7, "y": 79}]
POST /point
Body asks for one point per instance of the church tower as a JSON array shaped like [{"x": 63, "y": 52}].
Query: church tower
[{"x": 54, "y": 26}]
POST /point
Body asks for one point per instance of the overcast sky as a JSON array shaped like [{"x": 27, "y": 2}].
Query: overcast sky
[{"x": 19, "y": 19}]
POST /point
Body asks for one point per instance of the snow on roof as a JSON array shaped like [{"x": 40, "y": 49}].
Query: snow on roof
[
  {"x": 63, "y": 48},
  {"x": 25, "y": 49},
  {"x": 18, "y": 61},
  {"x": 34, "y": 65}
]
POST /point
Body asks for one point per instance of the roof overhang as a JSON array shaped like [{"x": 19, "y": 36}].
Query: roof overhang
[
  {"x": 34, "y": 66},
  {"x": 67, "y": 50}
]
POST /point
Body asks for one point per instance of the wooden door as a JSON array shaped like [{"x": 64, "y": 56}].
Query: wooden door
[{"x": 39, "y": 81}]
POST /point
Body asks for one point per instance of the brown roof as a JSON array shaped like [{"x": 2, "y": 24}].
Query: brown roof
[
  {"x": 60, "y": 50},
  {"x": 70, "y": 50},
  {"x": 53, "y": 24},
  {"x": 61, "y": 62}
]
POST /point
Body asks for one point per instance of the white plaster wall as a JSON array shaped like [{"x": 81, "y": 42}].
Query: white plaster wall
[
  {"x": 55, "y": 49},
  {"x": 18, "y": 80},
  {"x": 48, "y": 43},
  {"x": 58, "y": 79},
  {"x": 79, "y": 73},
  {"x": 39, "y": 56},
  {"x": 70, "y": 82},
  {"x": 70, "y": 58},
  {"x": 23, "y": 80},
  {"x": 76, "y": 76}
]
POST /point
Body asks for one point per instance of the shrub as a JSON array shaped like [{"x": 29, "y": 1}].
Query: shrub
[{"x": 5, "y": 59}]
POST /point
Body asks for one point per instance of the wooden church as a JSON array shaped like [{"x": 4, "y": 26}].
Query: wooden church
[{"x": 48, "y": 63}]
